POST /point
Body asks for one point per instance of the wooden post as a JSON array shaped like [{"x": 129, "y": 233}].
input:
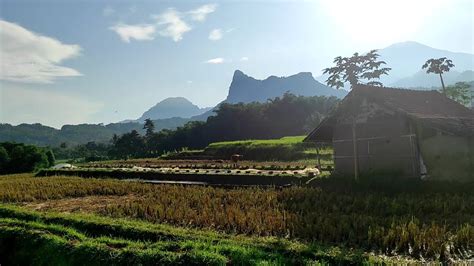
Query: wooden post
[
  {"x": 354, "y": 142},
  {"x": 319, "y": 156}
]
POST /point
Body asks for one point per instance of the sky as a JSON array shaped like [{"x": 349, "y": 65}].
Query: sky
[{"x": 71, "y": 62}]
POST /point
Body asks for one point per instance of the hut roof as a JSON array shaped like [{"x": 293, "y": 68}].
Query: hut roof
[{"x": 430, "y": 108}]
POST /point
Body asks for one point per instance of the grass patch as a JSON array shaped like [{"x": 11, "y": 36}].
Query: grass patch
[
  {"x": 28, "y": 237},
  {"x": 285, "y": 149}
]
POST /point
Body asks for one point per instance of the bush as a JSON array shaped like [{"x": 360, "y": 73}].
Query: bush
[{"x": 20, "y": 158}]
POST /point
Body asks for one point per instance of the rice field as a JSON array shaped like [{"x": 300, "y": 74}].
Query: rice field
[{"x": 389, "y": 218}]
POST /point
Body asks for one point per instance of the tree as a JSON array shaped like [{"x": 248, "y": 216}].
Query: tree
[
  {"x": 51, "y": 158},
  {"x": 356, "y": 68},
  {"x": 438, "y": 66},
  {"x": 150, "y": 127},
  {"x": 4, "y": 159},
  {"x": 459, "y": 92},
  {"x": 129, "y": 145}
]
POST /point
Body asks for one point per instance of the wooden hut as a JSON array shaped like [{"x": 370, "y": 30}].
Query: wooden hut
[{"x": 403, "y": 132}]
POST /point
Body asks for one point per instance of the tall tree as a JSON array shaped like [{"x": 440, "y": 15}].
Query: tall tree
[
  {"x": 150, "y": 127},
  {"x": 356, "y": 68},
  {"x": 438, "y": 66}
]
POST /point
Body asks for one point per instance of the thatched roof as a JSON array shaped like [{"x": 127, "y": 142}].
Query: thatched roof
[{"x": 430, "y": 108}]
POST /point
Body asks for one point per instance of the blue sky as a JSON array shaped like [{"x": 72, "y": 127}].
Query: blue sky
[{"x": 69, "y": 62}]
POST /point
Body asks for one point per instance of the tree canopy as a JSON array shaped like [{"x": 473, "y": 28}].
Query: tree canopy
[
  {"x": 355, "y": 69},
  {"x": 438, "y": 66},
  {"x": 459, "y": 92},
  {"x": 20, "y": 158}
]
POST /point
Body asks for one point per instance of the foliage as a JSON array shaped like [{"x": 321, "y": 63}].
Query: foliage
[
  {"x": 19, "y": 158},
  {"x": 356, "y": 68},
  {"x": 129, "y": 145},
  {"x": 149, "y": 126},
  {"x": 91, "y": 151},
  {"x": 391, "y": 216},
  {"x": 459, "y": 92},
  {"x": 287, "y": 116},
  {"x": 438, "y": 66}
]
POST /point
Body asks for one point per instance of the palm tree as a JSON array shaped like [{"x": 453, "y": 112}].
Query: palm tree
[
  {"x": 438, "y": 66},
  {"x": 355, "y": 68}
]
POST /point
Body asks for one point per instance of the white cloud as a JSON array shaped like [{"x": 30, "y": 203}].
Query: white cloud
[
  {"x": 215, "y": 35},
  {"x": 218, "y": 60},
  {"x": 200, "y": 13},
  {"x": 32, "y": 58},
  {"x": 21, "y": 105},
  {"x": 174, "y": 25},
  {"x": 108, "y": 11},
  {"x": 243, "y": 59},
  {"x": 141, "y": 32},
  {"x": 171, "y": 23}
]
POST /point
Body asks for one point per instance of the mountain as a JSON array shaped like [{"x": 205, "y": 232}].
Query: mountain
[
  {"x": 422, "y": 79},
  {"x": 246, "y": 89},
  {"x": 172, "y": 107},
  {"x": 406, "y": 59}
]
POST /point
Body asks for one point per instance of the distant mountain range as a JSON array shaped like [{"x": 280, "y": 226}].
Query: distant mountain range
[
  {"x": 405, "y": 59},
  {"x": 422, "y": 79},
  {"x": 246, "y": 89},
  {"x": 41, "y": 135}
]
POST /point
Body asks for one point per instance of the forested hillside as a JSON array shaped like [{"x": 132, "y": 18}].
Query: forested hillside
[
  {"x": 72, "y": 135},
  {"x": 289, "y": 115}
]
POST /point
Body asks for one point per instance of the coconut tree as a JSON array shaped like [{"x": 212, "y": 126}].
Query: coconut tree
[
  {"x": 356, "y": 68},
  {"x": 438, "y": 66}
]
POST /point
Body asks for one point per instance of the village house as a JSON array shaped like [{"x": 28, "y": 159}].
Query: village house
[{"x": 410, "y": 133}]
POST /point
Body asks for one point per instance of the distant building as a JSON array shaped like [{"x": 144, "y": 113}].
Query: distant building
[{"x": 377, "y": 130}]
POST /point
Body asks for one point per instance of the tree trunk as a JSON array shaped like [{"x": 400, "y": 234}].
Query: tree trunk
[{"x": 442, "y": 83}]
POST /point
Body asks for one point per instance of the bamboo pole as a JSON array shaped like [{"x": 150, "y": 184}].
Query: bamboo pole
[{"x": 354, "y": 141}]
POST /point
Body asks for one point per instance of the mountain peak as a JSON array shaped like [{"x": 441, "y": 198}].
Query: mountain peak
[
  {"x": 172, "y": 107},
  {"x": 248, "y": 89},
  {"x": 239, "y": 75},
  {"x": 305, "y": 75},
  {"x": 407, "y": 44}
]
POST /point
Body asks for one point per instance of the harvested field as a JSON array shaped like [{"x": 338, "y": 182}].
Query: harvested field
[{"x": 413, "y": 218}]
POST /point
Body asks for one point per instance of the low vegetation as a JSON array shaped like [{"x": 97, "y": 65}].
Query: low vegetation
[
  {"x": 283, "y": 149},
  {"x": 423, "y": 220},
  {"x": 78, "y": 239}
]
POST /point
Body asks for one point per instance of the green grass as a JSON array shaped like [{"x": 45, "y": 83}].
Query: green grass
[
  {"x": 282, "y": 141},
  {"x": 285, "y": 149},
  {"x": 28, "y": 237}
]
